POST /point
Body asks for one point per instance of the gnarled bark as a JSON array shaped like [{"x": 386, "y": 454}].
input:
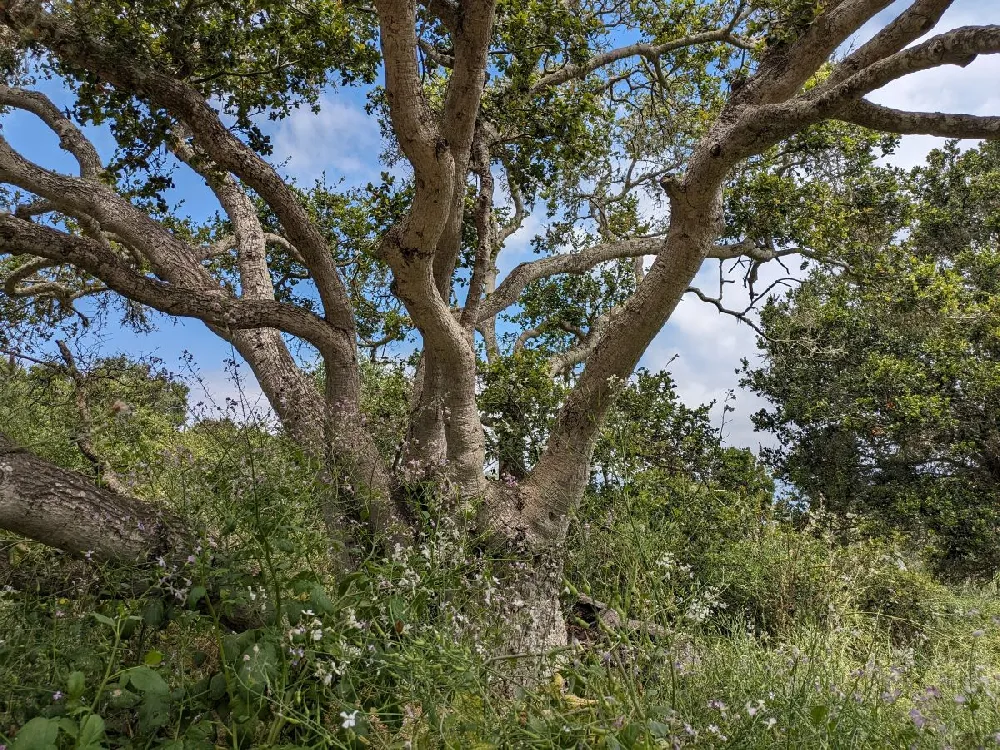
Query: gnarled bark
[{"x": 62, "y": 509}]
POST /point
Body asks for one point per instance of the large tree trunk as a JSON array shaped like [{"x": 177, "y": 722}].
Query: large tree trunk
[{"x": 62, "y": 509}]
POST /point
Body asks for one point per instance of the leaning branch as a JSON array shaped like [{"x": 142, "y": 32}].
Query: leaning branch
[
  {"x": 62, "y": 509},
  {"x": 19, "y": 237},
  {"x": 944, "y": 125}
]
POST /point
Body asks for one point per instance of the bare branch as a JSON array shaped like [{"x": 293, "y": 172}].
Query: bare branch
[
  {"x": 70, "y": 137},
  {"x": 84, "y": 434},
  {"x": 439, "y": 58},
  {"x": 717, "y": 303},
  {"x": 877, "y": 117},
  {"x": 484, "y": 231},
  {"x": 651, "y": 52}
]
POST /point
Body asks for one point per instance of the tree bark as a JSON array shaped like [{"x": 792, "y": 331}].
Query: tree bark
[{"x": 64, "y": 510}]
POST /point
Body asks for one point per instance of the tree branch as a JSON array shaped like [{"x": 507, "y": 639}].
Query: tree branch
[
  {"x": 83, "y": 435},
  {"x": 717, "y": 303},
  {"x": 214, "y": 138},
  {"x": 909, "y": 26},
  {"x": 877, "y": 117},
  {"x": 18, "y": 236},
  {"x": 70, "y": 137},
  {"x": 640, "y": 49},
  {"x": 515, "y": 282}
]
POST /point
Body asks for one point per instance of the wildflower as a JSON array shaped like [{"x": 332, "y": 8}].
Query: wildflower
[
  {"x": 716, "y": 731},
  {"x": 161, "y": 562},
  {"x": 919, "y": 720},
  {"x": 190, "y": 558},
  {"x": 88, "y": 554},
  {"x": 317, "y": 634},
  {"x": 960, "y": 699},
  {"x": 770, "y": 721},
  {"x": 978, "y": 633},
  {"x": 350, "y": 719},
  {"x": 57, "y": 695}
]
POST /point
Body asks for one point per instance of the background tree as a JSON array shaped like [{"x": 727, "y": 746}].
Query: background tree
[
  {"x": 699, "y": 94},
  {"x": 884, "y": 374}
]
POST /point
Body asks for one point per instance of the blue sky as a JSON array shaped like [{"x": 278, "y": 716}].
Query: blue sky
[{"x": 342, "y": 142}]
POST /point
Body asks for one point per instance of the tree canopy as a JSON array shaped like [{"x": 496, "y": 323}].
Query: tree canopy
[{"x": 884, "y": 372}]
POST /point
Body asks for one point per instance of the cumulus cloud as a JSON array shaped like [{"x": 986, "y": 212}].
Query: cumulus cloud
[{"x": 339, "y": 141}]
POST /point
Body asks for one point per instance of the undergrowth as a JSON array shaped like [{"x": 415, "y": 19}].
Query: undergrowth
[{"x": 736, "y": 625}]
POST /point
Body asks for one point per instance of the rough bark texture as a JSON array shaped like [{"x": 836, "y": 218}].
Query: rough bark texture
[{"x": 40, "y": 501}]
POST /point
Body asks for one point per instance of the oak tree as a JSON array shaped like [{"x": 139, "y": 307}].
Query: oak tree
[{"x": 594, "y": 109}]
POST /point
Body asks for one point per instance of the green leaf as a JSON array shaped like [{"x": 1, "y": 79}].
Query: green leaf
[
  {"x": 104, "y": 620},
  {"x": 197, "y": 594},
  {"x": 146, "y": 680},
  {"x": 75, "y": 684},
  {"x": 91, "y": 733},
  {"x": 154, "y": 712},
  {"x": 658, "y": 729},
  {"x": 152, "y": 613},
  {"x": 320, "y": 601},
  {"x": 818, "y": 714},
  {"x": 153, "y": 658},
  {"x": 38, "y": 734},
  {"x": 217, "y": 687},
  {"x": 121, "y": 698},
  {"x": 345, "y": 583}
]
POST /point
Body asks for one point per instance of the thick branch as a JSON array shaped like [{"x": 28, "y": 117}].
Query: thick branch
[
  {"x": 512, "y": 286},
  {"x": 956, "y": 47},
  {"x": 213, "y": 307},
  {"x": 785, "y": 68},
  {"x": 944, "y": 125},
  {"x": 909, "y": 26},
  {"x": 70, "y": 137},
  {"x": 59, "y": 508}
]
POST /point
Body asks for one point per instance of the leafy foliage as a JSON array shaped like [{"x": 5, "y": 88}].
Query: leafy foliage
[{"x": 884, "y": 375}]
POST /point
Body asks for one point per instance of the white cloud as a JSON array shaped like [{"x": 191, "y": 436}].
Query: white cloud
[
  {"x": 340, "y": 141},
  {"x": 702, "y": 348}
]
